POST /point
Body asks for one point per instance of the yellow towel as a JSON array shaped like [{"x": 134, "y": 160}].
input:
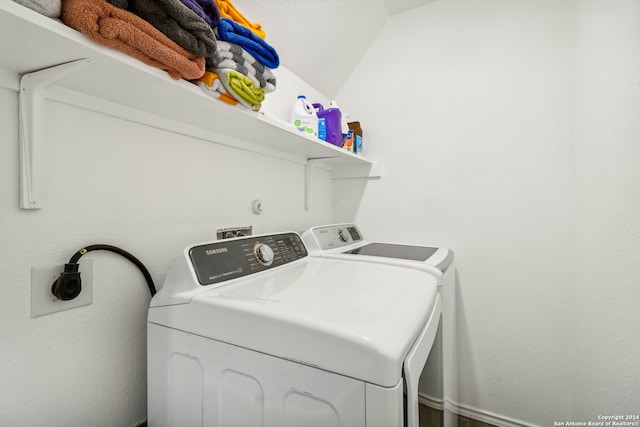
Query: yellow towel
[
  {"x": 241, "y": 87},
  {"x": 231, "y": 87},
  {"x": 228, "y": 10}
]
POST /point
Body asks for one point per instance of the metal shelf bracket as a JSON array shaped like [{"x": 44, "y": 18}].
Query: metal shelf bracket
[
  {"x": 31, "y": 130},
  {"x": 369, "y": 172},
  {"x": 307, "y": 180}
]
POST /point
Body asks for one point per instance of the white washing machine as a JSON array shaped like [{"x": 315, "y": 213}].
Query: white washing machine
[
  {"x": 252, "y": 331},
  {"x": 438, "y": 385}
]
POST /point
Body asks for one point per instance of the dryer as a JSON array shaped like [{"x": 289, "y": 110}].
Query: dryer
[
  {"x": 438, "y": 385},
  {"x": 253, "y": 331}
]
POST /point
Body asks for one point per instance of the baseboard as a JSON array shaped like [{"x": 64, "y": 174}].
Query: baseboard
[
  {"x": 473, "y": 413},
  {"x": 489, "y": 417},
  {"x": 431, "y": 402}
]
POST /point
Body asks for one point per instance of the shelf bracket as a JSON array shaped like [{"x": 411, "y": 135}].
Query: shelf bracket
[
  {"x": 371, "y": 171},
  {"x": 307, "y": 179},
  {"x": 31, "y": 130}
]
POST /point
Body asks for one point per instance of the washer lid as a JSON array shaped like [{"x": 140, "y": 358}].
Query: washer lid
[
  {"x": 345, "y": 241},
  {"x": 390, "y": 250},
  {"x": 356, "y": 319}
]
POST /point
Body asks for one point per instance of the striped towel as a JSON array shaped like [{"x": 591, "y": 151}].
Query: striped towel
[
  {"x": 211, "y": 85},
  {"x": 231, "y": 87},
  {"x": 242, "y": 88},
  {"x": 232, "y": 56},
  {"x": 231, "y": 31}
]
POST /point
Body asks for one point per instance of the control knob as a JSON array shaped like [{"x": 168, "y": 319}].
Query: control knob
[
  {"x": 344, "y": 235},
  {"x": 263, "y": 253}
]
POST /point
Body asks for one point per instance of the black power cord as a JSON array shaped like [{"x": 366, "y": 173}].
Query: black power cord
[{"x": 68, "y": 285}]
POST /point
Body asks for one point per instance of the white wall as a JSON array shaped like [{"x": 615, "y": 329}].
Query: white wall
[
  {"x": 507, "y": 130},
  {"x": 320, "y": 41},
  {"x": 146, "y": 190},
  {"x": 490, "y": 148},
  {"x": 278, "y": 104},
  {"x": 606, "y": 318}
]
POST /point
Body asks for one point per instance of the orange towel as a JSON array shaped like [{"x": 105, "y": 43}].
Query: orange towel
[
  {"x": 213, "y": 86},
  {"x": 210, "y": 83},
  {"x": 228, "y": 10},
  {"x": 121, "y": 30}
]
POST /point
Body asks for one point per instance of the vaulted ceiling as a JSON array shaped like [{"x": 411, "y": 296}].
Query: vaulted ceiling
[{"x": 322, "y": 40}]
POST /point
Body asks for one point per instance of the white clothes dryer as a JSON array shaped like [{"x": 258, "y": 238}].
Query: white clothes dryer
[
  {"x": 252, "y": 331},
  {"x": 438, "y": 384}
]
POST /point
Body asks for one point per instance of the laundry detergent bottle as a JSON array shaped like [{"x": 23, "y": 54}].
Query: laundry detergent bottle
[
  {"x": 344, "y": 127},
  {"x": 332, "y": 117},
  {"x": 304, "y": 117}
]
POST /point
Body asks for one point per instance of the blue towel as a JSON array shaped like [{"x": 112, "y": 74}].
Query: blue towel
[{"x": 233, "y": 32}]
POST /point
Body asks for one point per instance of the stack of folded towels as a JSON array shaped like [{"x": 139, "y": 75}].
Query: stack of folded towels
[
  {"x": 208, "y": 42},
  {"x": 244, "y": 61}
]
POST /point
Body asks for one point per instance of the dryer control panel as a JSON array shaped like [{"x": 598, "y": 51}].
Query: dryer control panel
[
  {"x": 232, "y": 258},
  {"x": 336, "y": 236}
]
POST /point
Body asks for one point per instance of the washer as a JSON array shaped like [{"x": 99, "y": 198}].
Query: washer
[
  {"x": 253, "y": 331},
  {"x": 438, "y": 385}
]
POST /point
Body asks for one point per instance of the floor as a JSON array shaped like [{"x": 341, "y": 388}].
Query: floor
[{"x": 430, "y": 417}]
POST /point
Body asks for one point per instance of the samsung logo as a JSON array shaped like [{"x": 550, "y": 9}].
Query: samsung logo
[{"x": 216, "y": 251}]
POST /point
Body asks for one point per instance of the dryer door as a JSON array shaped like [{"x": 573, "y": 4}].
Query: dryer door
[{"x": 415, "y": 361}]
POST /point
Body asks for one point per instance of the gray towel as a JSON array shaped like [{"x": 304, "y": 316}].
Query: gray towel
[
  {"x": 180, "y": 24},
  {"x": 50, "y": 8},
  {"x": 232, "y": 56},
  {"x": 122, "y": 4}
]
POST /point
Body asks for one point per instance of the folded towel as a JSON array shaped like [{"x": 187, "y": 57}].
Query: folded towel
[
  {"x": 233, "y": 32},
  {"x": 118, "y": 29},
  {"x": 206, "y": 9},
  {"x": 50, "y": 8},
  {"x": 241, "y": 87},
  {"x": 232, "y": 56},
  {"x": 122, "y": 4},
  {"x": 228, "y": 10},
  {"x": 179, "y": 23},
  {"x": 212, "y": 85}
]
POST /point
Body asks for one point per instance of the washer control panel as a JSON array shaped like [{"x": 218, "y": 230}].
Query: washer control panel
[
  {"x": 228, "y": 259},
  {"x": 336, "y": 236}
]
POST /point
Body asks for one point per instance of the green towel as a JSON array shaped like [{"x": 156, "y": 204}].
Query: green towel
[{"x": 241, "y": 87}]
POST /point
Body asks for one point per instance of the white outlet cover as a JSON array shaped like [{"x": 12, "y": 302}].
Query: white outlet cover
[{"x": 44, "y": 302}]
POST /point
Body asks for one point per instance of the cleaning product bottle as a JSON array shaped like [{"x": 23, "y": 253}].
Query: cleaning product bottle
[
  {"x": 331, "y": 117},
  {"x": 303, "y": 116},
  {"x": 344, "y": 127}
]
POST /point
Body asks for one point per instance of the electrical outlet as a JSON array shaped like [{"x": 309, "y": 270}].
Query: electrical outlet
[{"x": 44, "y": 302}]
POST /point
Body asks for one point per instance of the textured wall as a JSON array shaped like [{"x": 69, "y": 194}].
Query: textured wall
[
  {"x": 148, "y": 191},
  {"x": 321, "y": 41},
  {"x": 606, "y": 318},
  {"x": 474, "y": 127},
  {"x": 512, "y": 130},
  {"x": 508, "y": 131}
]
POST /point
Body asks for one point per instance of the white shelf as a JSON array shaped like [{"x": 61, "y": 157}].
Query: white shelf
[{"x": 30, "y": 42}]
